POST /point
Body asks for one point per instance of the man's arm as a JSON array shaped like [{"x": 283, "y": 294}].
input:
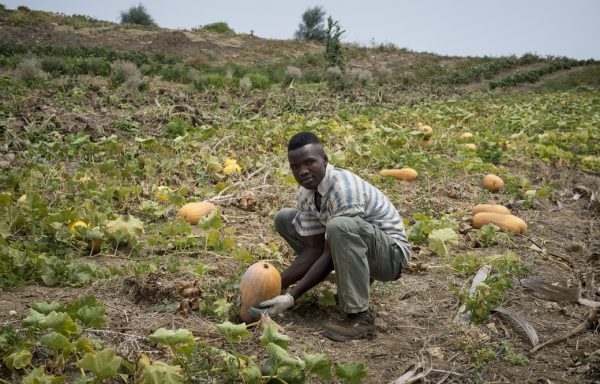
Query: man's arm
[
  {"x": 314, "y": 247},
  {"x": 317, "y": 273}
]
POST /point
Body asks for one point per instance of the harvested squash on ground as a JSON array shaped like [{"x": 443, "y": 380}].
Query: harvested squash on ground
[
  {"x": 405, "y": 173},
  {"x": 427, "y": 130},
  {"x": 466, "y": 135},
  {"x": 509, "y": 222},
  {"x": 193, "y": 212},
  {"x": 260, "y": 282},
  {"x": 471, "y": 146},
  {"x": 495, "y": 208},
  {"x": 493, "y": 183}
]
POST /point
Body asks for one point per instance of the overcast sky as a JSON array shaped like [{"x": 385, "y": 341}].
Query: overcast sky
[{"x": 447, "y": 27}]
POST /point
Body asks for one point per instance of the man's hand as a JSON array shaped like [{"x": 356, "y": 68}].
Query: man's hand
[{"x": 273, "y": 307}]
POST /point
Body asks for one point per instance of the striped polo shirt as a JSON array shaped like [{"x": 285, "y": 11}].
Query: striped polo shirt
[{"x": 345, "y": 194}]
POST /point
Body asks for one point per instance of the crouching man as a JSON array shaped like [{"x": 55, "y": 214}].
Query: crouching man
[{"x": 341, "y": 223}]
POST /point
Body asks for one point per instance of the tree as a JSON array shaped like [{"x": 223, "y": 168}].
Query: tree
[
  {"x": 333, "y": 46},
  {"x": 312, "y": 26},
  {"x": 137, "y": 15}
]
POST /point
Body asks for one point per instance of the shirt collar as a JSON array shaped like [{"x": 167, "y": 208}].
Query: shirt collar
[{"x": 327, "y": 181}]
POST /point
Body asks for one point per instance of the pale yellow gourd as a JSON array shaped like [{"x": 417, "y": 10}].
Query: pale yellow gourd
[
  {"x": 495, "y": 208},
  {"x": 405, "y": 173},
  {"x": 509, "y": 222}
]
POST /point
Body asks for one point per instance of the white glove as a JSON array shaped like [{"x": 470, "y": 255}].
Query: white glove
[{"x": 273, "y": 307}]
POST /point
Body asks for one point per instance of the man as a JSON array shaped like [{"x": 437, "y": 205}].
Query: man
[{"x": 340, "y": 223}]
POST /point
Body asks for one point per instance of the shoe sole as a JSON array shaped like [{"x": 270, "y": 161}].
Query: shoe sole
[{"x": 341, "y": 338}]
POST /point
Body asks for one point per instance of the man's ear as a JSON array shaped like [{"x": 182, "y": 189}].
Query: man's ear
[{"x": 326, "y": 159}]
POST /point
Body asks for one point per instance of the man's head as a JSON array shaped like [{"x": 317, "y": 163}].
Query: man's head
[{"x": 307, "y": 159}]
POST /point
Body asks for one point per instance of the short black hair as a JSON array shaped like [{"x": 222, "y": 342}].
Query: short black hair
[{"x": 301, "y": 139}]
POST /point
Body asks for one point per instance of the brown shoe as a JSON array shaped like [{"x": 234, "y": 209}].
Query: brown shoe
[{"x": 355, "y": 326}]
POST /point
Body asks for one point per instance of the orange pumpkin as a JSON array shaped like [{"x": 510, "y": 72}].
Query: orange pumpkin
[
  {"x": 260, "y": 282},
  {"x": 509, "y": 222},
  {"x": 193, "y": 212},
  {"x": 405, "y": 173},
  {"x": 493, "y": 183}
]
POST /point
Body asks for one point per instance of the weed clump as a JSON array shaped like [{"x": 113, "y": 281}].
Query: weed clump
[
  {"x": 361, "y": 75},
  {"x": 333, "y": 72},
  {"x": 127, "y": 74},
  {"x": 30, "y": 71},
  {"x": 293, "y": 72},
  {"x": 245, "y": 84}
]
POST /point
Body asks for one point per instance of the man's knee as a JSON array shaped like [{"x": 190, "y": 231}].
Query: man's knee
[
  {"x": 339, "y": 226},
  {"x": 284, "y": 218}
]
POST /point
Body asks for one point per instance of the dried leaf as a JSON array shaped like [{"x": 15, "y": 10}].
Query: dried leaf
[{"x": 519, "y": 324}]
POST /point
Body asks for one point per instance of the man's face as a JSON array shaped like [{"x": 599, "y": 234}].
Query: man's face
[{"x": 308, "y": 165}]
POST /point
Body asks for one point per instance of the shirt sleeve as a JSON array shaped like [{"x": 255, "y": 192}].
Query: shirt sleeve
[{"x": 307, "y": 224}]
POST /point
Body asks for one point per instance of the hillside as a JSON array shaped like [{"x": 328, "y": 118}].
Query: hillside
[{"x": 106, "y": 131}]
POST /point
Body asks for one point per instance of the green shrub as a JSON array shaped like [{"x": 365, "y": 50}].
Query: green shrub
[
  {"x": 53, "y": 65},
  {"x": 98, "y": 66},
  {"x": 178, "y": 72},
  {"x": 138, "y": 16},
  {"x": 333, "y": 46},
  {"x": 259, "y": 81},
  {"x": 209, "y": 81},
  {"x": 218, "y": 27}
]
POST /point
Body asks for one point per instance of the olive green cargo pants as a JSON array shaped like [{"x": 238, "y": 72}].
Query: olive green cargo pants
[{"x": 360, "y": 251}]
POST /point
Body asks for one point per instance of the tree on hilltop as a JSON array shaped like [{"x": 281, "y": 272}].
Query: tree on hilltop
[
  {"x": 137, "y": 15},
  {"x": 312, "y": 26}
]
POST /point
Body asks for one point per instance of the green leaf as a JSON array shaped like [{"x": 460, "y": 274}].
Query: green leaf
[
  {"x": 56, "y": 342},
  {"x": 440, "y": 239},
  {"x": 251, "y": 373},
  {"x": 213, "y": 239},
  {"x": 157, "y": 372},
  {"x": 222, "y": 308},
  {"x": 60, "y": 322},
  {"x": 38, "y": 376},
  {"x": 93, "y": 317},
  {"x": 83, "y": 344},
  {"x": 19, "y": 359},
  {"x": 125, "y": 227},
  {"x": 351, "y": 373},
  {"x": 103, "y": 364},
  {"x": 282, "y": 357},
  {"x": 77, "y": 304},
  {"x": 317, "y": 364},
  {"x": 211, "y": 221},
  {"x": 47, "y": 307},
  {"x": 241, "y": 254},
  {"x": 233, "y": 333},
  {"x": 272, "y": 335},
  {"x": 33, "y": 319},
  {"x": 172, "y": 338}
]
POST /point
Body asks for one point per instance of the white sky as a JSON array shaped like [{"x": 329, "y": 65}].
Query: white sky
[{"x": 447, "y": 27}]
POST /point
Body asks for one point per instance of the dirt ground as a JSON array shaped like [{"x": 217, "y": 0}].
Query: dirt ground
[{"x": 414, "y": 314}]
